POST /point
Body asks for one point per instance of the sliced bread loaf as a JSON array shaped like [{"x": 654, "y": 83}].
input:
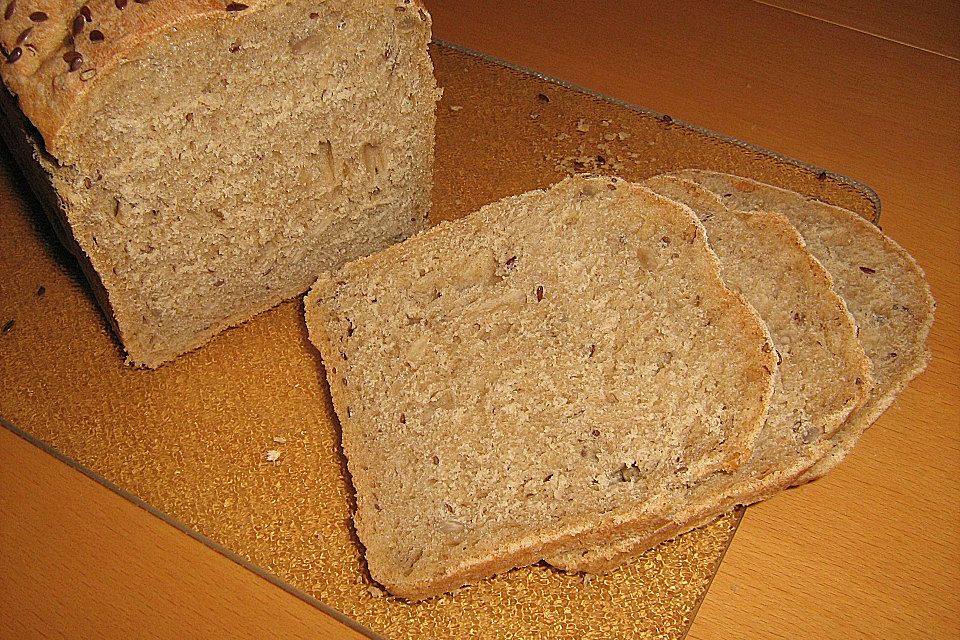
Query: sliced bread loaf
[
  {"x": 882, "y": 284},
  {"x": 823, "y": 374},
  {"x": 210, "y": 158},
  {"x": 555, "y": 367}
]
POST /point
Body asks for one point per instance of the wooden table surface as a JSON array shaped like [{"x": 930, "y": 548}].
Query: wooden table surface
[{"x": 872, "y": 550}]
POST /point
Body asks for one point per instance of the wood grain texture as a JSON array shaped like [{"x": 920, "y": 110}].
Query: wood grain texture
[
  {"x": 934, "y": 26},
  {"x": 869, "y": 551},
  {"x": 79, "y": 561}
]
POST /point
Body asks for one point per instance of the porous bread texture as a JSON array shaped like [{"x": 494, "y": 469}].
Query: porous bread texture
[
  {"x": 556, "y": 367},
  {"x": 222, "y": 154},
  {"x": 883, "y": 286},
  {"x": 822, "y": 377}
]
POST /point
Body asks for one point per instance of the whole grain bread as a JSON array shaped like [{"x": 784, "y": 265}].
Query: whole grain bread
[
  {"x": 882, "y": 284},
  {"x": 823, "y": 374},
  {"x": 210, "y": 158},
  {"x": 555, "y": 368}
]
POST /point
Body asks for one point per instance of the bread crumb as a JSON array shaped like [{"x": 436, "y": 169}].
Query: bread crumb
[
  {"x": 279, "y": 439},
  {"x": 587, "y": 579},
  {"x": 582, "y": 126},
  {"x": 455, "y": 107},
  {"x": 272, "y": 455},
  {"x": 375, "y": 592},
  {"x": 561, "y": 136}
]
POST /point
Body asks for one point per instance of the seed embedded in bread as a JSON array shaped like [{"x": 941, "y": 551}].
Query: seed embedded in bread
[{"x": 555, "y": 440}]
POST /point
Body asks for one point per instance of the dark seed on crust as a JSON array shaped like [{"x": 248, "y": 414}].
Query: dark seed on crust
[
  {"x": 236, "y": 6},
  {"x": 15, "y": 55},
  {"x": 78, "y": 24},
  {"x": 542, "y": 97},
  {"x": 399, "y": 9},
  {"x": 39, "y": 16},
  {"x": 314, "y": 15},
  {"x": 24, "y": 35},
  {"x": 9, "y": 326},
  {"x": 666, "y": 118},
  {"x": 822, "y": 175},
  {"x": 511, "y": 262},
  {"x": 74, "y": 59},
  {"x": 539, "y": 293},
  {"x": 868, "y": 270},
  {"x": 97, "y": 36},
  {"x": 120, "y": 4},
  {"x": 142, "y": 1},
  {"x": 8, "y": 12},
  {"x": 85, "y": 12},
  {"x": 403, "y": 418},
  {"x": 42, "y": 291},
  {"x": 593, "y": 349},
  {"x": 3, "y": 51}
]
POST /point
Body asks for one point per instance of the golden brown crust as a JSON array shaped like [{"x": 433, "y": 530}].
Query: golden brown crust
[
  {"x": 65, "y": 55},
  {"x": 57, "y": 52}
]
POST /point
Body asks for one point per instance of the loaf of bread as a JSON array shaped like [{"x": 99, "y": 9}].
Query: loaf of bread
[
  {"x": 823, "y": 376},
  {"x": 552, "y": 370},
  {"x": 206, "y": 159},
  {"x": 882, "y": 284}
]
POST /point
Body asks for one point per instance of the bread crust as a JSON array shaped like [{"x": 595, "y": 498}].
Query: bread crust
[{"x": 51, "y": 88}]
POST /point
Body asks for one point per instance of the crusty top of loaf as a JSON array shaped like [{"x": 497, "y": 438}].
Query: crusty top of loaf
[{"x": 58, "y": 51}]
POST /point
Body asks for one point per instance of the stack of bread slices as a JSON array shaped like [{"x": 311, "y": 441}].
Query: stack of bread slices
[{"x": 577, "y": 374}]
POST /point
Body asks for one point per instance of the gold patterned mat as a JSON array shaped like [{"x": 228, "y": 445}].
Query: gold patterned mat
[{"x": 192, "y": 438}]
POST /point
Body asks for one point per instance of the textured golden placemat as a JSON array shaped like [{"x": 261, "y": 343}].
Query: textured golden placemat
[{"x": 192, "y": 438}]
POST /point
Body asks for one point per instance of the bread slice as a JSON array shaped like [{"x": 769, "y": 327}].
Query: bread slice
[
  {"x": 823, "y": 375},
  {"x": 555, "y": 367},
  {"x": 211, "y": 158},
  {"x": 882, "y": 284}
]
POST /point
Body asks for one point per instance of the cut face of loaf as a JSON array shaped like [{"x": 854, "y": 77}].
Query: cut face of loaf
[
  {"x": 559, "y": 365},
  {"x": 213, "y": 157},
  {"x": 883, "y": 286},
  {"x": 823, "y": 374}
]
